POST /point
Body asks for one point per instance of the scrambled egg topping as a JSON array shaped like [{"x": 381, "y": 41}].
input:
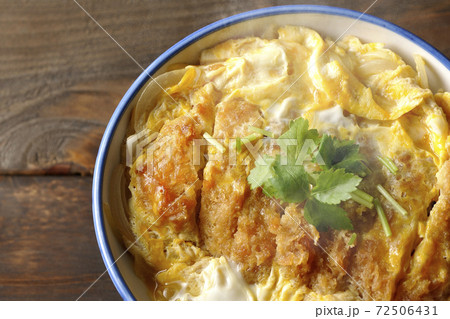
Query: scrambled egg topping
[{"x": 202, "y": 232}]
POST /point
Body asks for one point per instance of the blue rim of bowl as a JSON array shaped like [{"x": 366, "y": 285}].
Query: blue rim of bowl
[{"x": 102, "y": 240}]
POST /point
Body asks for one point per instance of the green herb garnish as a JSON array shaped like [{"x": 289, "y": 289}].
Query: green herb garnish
[
  {"x": 389, "y": 164},
  {"x": 211, "y": 140},
  {"x": 238, "y": 144},
  {"x": 334, "y": 186},
  {"x": 361, "y": 200},
  {"x": 247, "y": 139},
  {"x": 338, "y": 164},
  {"x": 285, "y": 182},
  {"x": 363, "y": 195},
  {"x": 324, "y": 216},
  {"x": 352, "y": 240},
  {"x": 261, "y": 131},
  {"x": 345, "y": 154},
  {"x": 383, "y": 219},
  {"x": 250, "y": 138},
  {"x": 391, "y": 200}
]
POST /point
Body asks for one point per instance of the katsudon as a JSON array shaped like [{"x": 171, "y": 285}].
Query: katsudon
[{"x": 290, "y": 167}]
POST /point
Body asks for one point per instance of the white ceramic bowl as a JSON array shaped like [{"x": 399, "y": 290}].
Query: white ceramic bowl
[{"x": 328, "y": 21}]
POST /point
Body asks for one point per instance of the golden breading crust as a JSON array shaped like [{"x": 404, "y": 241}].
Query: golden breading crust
[
  {"x": 296, "y": 238},
  {"x": 234, "y": 221},
  {"x": 164, "y": 181}
]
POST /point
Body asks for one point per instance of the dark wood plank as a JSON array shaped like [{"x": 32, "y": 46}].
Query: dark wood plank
[
  {"x": 61, "y": 76},
  {"x": 48, "y": 249}
]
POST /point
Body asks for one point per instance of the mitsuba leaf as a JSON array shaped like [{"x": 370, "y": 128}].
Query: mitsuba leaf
[
  {"x": 290, "y": 183},
  {"x": 292, "y": 142},
  {"x": 344, "y": 154},
  {"x": 287, "y": 183},
  {"x": 284, "y": 177},
  {"x": 334, "y": 186},
  {"x": 324, "y": 216},
  {"x": 262, "y": 172}
]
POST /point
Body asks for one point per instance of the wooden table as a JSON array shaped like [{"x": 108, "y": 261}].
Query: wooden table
[{"x": 61, "y": 78}]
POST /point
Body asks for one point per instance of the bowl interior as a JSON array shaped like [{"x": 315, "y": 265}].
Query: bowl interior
[{"x": 333, "y": 24}]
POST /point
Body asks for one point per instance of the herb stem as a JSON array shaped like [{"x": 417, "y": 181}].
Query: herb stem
[
  {"x": 238, "y": 144},
  {"x": 312, "y": 179},
  {"x": 391, "y": 200},
  {"x": 383, "y": 218},
  {"x": 261, "y": 131},
  {"x": 367, "y": 169},
  {"x": 352, "y": 240},
  {"x": 363, "y": 195},
  {"x": 214, "y": 142},
  {"x": 250, "y": 138},
  {"x": 361, "y": 200},
  {"x": 389, "y": 164}
]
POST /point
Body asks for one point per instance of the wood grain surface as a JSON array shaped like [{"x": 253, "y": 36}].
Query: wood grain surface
[
  {"x": 47, "y": 244},
  {"x": 61, "y": 77}
]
